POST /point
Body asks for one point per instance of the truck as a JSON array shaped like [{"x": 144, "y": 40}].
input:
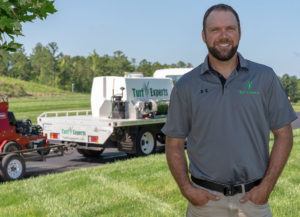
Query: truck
[
  {"x": 126, "y": 113},
  {"x": 172, "y": 73}
]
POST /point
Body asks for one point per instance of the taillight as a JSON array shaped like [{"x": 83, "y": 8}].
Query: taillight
[
  {"x": 93, "y": 139},
  {"x": 54, "y": 135}
]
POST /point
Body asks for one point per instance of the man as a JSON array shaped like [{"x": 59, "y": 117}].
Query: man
[{"x": 226, "y": 108}]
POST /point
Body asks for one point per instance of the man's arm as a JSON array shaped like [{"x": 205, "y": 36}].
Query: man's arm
[
  {"x": 283, "y": 143},
  {"x": 178, "y": 166}
]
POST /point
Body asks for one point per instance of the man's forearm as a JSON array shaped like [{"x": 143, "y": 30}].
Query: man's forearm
[
  {"x": 177, "y": 163},
  {"x": 283, "y": 142}
]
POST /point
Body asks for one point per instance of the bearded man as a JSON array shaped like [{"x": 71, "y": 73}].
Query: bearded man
[{"x": 226, "y": 108}]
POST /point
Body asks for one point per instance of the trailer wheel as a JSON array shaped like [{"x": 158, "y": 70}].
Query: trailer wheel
[
  {"x": 146, "y": 143},
  {"x": 10, "y": 147},
  {"x": 90, "y": 153},
  {"x": 13, "y": 167}
]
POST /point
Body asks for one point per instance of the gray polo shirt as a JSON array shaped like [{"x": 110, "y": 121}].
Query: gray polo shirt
[{"x": 227, "y": 129}]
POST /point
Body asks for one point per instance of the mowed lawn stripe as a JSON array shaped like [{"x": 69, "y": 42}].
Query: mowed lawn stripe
[{"x": 91, "y": 192}]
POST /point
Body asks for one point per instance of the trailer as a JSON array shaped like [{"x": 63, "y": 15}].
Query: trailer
[
  {"x": 20, "y": 141},
  {"x": 13, "y": 164},
  {"x": 126, "y": 113}
]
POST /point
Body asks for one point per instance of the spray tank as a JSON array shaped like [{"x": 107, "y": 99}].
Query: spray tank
[{"x": 130, "y": 98}]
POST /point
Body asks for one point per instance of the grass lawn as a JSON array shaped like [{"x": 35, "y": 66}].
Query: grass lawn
[
  {"x": 296, "y": 106},
  {"x": 135, "y": 187},
  {"x": 32, "y": 107},
  {"x": 41, "y": 98}
]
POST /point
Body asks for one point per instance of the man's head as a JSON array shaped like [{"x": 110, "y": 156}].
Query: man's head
[{"x": 221, "y": 31}]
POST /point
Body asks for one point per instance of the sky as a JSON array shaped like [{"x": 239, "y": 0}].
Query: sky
[{"x": 168, "y": 31}]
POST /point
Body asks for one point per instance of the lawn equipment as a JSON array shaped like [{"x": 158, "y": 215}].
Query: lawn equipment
[
  {"x": 18, "y": 134},
  {"x": 16, "y": 138}
]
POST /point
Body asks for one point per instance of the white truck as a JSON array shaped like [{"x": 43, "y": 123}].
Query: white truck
[
  {"x": 126, "y": 112},
  {"x": 172, "y": 73}
]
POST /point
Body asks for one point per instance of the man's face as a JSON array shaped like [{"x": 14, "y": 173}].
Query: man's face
[{"x": 221, "y": 35}]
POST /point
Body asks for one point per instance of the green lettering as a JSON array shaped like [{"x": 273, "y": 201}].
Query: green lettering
[{"x": 133, "y": 91}]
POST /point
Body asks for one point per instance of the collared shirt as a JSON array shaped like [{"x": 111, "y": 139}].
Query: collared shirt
[{"x": 228, "y": 129}]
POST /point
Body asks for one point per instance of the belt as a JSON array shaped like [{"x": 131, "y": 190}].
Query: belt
[{"x": 227, "y": 190}]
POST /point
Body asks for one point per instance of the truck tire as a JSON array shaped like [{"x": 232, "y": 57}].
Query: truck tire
[
  {"x": 145, "y": 143},
  {"x": 90, "y": 153},
  {"x": 10, "y": 147},
  {"x": 13, "y": 167}
]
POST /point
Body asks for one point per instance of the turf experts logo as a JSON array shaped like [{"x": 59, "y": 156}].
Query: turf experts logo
[
  {"x": 249, "y": 90},
  {"x": 147, "y": 91}
]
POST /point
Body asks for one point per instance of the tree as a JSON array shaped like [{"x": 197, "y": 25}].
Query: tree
[
  {"x": 145, "y": 67},
  {"x": 41, "y": 62},
  {"x": 289, "y": 84},
  {"x": 20, "y": 66},
  {"x": 119, "y": 64},
  {"x": 53, "y": 48},
  {"x": 65, "y": 68},
  {"x": 12, "y": 14}
]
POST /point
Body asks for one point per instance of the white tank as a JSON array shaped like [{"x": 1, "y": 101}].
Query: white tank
[{"x": 136, "y": 90}]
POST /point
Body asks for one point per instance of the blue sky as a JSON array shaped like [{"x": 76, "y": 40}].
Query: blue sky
[{"x": 169, "y": 30}]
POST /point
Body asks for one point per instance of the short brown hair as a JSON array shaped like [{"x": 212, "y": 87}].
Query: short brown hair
[{"x": 221, "y": 7}]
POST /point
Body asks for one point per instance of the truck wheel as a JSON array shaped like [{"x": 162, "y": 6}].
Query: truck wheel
[
  {"x": 10, "y": 147},
  {"x": 13, "y": 167},
  {"x": 90, "y": 153},
  {"x": 146, "y": 143}
]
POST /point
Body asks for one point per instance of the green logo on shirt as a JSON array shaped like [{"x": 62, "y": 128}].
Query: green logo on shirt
[{"x": 249, "y": 86}]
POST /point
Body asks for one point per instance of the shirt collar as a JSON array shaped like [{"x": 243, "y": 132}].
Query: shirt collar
[{"x": 242, "y": 64}]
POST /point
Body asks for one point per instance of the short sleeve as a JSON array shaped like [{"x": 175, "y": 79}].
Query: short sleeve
[
  {"x": 280, "y": 110},
  {"x": 177, "y": 123}
]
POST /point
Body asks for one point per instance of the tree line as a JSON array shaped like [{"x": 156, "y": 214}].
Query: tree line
[
  {"x": 291, "y": 86},
  {"x": 46, "y": 65}
]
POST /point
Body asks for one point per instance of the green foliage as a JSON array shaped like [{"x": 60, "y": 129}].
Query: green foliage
[
  {"x": 135, "y": 187},
  {"x": 298, "y": 90},
  {"x": 12, "y": 14},
  {"x": 46, "y": 66},
  {"x": 41, "y": 62},
  {"x": 12, "y": 90},
  {"x": 289, "y": 84},
  {"x": 20, "y": 66}
]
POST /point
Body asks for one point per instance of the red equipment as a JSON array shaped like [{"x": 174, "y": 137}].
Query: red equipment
[{"x": 18, "y": 135}]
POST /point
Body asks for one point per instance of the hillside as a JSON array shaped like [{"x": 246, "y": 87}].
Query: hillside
[
  {"x": 13, "y": 87},
  {"x": 28, "y": 99}
]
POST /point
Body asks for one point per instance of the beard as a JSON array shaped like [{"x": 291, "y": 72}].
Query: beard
[{"x": 222, "y": 55}]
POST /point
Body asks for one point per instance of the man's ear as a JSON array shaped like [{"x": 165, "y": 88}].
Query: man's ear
[{"x": 203, "y": 36}]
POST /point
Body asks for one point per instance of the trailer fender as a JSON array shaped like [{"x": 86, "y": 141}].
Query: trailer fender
[{"x": 2, "y": 144}]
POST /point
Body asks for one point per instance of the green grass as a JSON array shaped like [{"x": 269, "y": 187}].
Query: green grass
[
  {"x": 285, "y": 199},
  {"x": 31, "y": 88},
  {"x": 41, "y": 98},
  {"x": 296, "y": 106},
  {"x": 32, "y": 107},
  {"x": 135, "y": 187}
]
